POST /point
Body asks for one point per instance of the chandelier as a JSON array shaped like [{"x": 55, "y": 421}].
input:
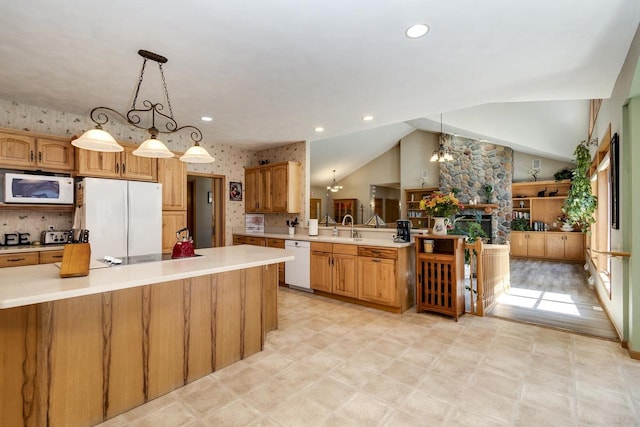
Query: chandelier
[
  {"x": 334, "y": 187},
  {"x": 442, "y": 154},
  {"x": 156, "y": 122}
]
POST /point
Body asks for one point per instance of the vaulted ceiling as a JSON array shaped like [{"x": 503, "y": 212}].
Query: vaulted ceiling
[{"x": 270, "y": 71}]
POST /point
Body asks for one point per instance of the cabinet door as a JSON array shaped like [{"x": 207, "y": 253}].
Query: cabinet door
[
  {"x": 17, "y": 150},
  {"x": 278, "y": 243},
  {"x": 172, "y": 221},
  {"x": 518, "y": 243},
  {"x": 574, "y": 246},
  {"x": 19, "y": 259},
  {"x": 536, "y": 244},
  {"x": 136, "y": 167},
  {"x": 377, "y": 280},
  {"x": 321, "y": 271},
  {"x": 49, "y": 257},
  {"x": 172, "y": 174},
  {"x": 344, "y": 275},
  {"x": 279, "y": 188},
  {"x": 54, "y": 154},
  {"x": 555, "y": 246},
  {"x": 251, "y": 191},
  {"x": 264, "y": 190},
  {"x": 97, "y": 163}
]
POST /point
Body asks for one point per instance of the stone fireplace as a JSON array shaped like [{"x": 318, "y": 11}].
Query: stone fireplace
[{"x": 485, "y": 220}]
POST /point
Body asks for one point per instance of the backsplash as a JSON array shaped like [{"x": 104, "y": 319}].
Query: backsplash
[{"x": 32, "y": 222}]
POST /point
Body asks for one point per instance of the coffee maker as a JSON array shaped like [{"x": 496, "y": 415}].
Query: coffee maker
[{"x": 403, "y": 231}]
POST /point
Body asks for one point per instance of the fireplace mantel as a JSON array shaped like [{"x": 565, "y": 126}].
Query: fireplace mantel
[{"x": 486, "y": 207}]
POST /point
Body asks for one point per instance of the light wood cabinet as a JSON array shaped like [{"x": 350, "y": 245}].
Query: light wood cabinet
[
  {"x": 334, "y": 268},
  {"x": 278, "y": 243},
  {"x": 539, "y": 201},
  {"x": 249, "y": 240},
  {"x": 376, "y": 280},
  {"x": 22, "y": 151},
  {"x": 273, "y": 188},
  {"x": 528, "y": 244},
  {"x": 49, "y": 257},
  {"x": 172, "y": 174},
  {"x": 122, "y": 165},
  {"x": 321, "y": 277},
  {"x": 565, "y": 246},
  {"x": 172, "y": 221},
  {"x": 440, "y": 275}
]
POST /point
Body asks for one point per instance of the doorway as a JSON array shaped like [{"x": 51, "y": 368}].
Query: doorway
[{"x": 205, "y": 209}]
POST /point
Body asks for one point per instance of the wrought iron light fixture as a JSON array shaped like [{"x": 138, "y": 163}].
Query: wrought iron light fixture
[
  {"x": 156, "y": 123},
  {"x": 334, "y": 187},
  {"x": 442, "y": 154}
]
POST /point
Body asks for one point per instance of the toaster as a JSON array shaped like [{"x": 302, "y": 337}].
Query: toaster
[{"x": 54, "y": 237}]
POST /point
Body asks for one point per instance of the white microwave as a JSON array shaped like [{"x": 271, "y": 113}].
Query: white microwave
[{"x": 40, "y": 189}]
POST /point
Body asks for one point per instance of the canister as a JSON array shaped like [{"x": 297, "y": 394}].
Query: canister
[{"x": 428, "y": 246}]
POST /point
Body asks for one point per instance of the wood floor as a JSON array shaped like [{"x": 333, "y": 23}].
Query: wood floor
[{"x": 556, "y": 295}]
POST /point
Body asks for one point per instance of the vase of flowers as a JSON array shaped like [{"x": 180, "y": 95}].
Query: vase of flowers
[{"x": 440, "y": 206}]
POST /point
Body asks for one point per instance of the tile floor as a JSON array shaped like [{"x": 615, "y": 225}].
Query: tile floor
[{"x": 336, "y": 364}]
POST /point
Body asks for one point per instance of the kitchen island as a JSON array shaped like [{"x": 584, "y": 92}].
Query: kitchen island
[{"x": 77, "y": 351}]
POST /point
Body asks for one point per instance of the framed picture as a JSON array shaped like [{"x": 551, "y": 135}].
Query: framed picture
[
  {"x": 614, "y": 158},
  {"x": 235, "y": 191}
]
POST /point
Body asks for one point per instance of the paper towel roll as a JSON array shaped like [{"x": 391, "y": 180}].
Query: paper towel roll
[{"x": 313, "y": 227}]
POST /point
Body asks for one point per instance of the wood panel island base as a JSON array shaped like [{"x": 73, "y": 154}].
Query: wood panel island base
[{"x": 81, "y": 360}]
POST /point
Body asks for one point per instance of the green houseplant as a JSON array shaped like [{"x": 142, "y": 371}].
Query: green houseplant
[{"x": 580, "y": 204}]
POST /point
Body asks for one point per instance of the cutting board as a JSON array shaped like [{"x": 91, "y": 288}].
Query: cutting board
[{"x": 75, "y": 260}]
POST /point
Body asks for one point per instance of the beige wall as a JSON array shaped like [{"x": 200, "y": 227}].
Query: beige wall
[{"x": 522, "y": 166}]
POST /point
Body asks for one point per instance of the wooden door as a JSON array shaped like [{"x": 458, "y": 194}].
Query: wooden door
[
  {"x": 321, "y": 271},
  {"x": 251, "y": 191},
  {"x": 265, "y": 200},
  {"x": 518, "y": 243},
  {"x": 555, "y": 245},
  {"x": 574, "y": 246},
  {"x": 345, "y": 268},
  {"x": 172, "y": 174},
  {"x": 536, "y": 244},
  {"x": 54, "y": 154},
  {"x": 377, "y": 280},
  {"x": 136, "y": 167},
  {"x": 17, "y": 150},
  {"x": 280, "y": 188},
  {"x": 315, "y": 208},
  {"x": 98, "y": 163},
  {"x": 172, "y": 221},
  {"x": 391, "y": 210}
]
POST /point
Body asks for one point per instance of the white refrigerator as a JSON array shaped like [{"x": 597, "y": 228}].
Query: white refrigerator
[{"x": 124, "y": 218}]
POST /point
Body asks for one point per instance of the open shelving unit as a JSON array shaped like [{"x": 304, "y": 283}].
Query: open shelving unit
[{"x": 412, "y": 197}]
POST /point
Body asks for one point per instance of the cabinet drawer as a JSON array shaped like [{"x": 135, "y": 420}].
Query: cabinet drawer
[
  {"x": 345, "y": 249},
  {"x": 18, "y": 259},
  {"x": 377, "y": 252},
  {"x": 275, "y": 243},
  {"x": 438, "y": 257},
  {"x": 256, "y": 241},
  {"x": 48, "y": 257},
  {"x": 321, "y": 247}
]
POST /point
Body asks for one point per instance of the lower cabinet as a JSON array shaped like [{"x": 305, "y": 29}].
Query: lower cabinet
[
  {"x": 333, "y": 268},
  {"x": 49, "y": 257},
  {"x": 558, "y": 245},
  {"x": 278, "y": 243},
  {"x": 377, "y": 276},
  {"x": 30, "y": 258}
]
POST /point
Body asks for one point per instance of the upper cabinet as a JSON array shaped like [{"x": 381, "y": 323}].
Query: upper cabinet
[
  {"x": 21, "y": 151},
  {"x": 116, "y": 165},
  {"x": 273, "y": 188},
  {"x": 172, "y": 174}
]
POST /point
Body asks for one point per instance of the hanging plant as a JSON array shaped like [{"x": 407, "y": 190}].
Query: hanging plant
[{"x": 580, "y": 204}]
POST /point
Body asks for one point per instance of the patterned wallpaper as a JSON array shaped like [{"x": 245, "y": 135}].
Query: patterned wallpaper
[{"x": 230, "y": 161}]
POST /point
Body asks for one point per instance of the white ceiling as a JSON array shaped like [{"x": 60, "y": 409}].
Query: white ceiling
[{"x": 270, "y": 71}]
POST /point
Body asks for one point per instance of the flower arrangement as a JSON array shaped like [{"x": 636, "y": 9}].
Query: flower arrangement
[{"x": 440, "y": 204}]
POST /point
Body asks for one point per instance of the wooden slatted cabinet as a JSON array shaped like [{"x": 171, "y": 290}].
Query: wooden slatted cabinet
[{"x": 440, "y": 275}]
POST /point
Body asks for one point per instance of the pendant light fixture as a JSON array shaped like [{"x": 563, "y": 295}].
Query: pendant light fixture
[
  {"x": 442, "y": 154},
  {"x": 156, "y": 122},
  {"x": 334, "y": 187}
]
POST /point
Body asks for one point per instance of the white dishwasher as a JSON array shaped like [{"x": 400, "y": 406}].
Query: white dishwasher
[{"x": 296, "y": 272}]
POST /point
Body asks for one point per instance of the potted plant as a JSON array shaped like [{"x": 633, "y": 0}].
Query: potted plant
[
  {"x": 440, "y": 206},
  {"x": 488, "y": 191},
  {"x": 581, "y": 203}
]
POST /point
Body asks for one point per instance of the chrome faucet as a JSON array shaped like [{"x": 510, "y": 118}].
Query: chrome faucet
[{"x": 344, "y": 219}]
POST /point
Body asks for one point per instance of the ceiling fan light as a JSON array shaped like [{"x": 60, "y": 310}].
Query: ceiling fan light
[
  {"x": 97, "y": 140},
  {"x": 197, "y": 154},
  {"x": 153, "y": 148}
]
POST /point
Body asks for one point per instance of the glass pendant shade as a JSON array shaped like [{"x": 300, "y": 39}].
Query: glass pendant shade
[
  {"x": 97, "y": 140},
  {"x": 153, "y": 148},
  {"x": 197, "y": 154}
]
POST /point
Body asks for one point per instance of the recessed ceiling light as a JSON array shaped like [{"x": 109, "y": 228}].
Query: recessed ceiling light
[
  {"x": 319, "y": 129},
  {"x": 367, "y": 118},
  {"x": 206, "y": 118},
  {"x": 416, "y": 31}
]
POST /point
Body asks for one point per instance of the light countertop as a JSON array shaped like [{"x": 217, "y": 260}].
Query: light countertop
[
  {"x": 382, "y": 240},
  {"x": 34, "y": 284}
]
